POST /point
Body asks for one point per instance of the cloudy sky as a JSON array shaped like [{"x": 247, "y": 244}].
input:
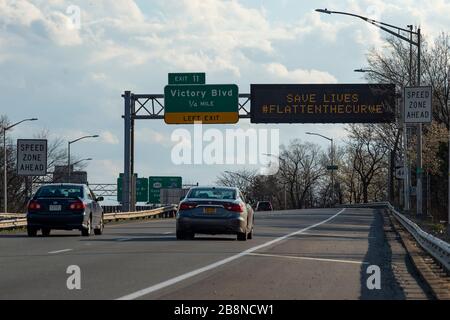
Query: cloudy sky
[{"x": 71, "y": 76}]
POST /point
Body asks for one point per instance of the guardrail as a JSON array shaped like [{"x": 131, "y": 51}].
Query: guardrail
[
  {"x": 436, "y": 247},
  {"x": 163, "y": 212}
]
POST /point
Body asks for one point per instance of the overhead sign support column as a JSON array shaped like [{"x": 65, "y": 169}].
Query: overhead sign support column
[{"x": 126, "y": 189}]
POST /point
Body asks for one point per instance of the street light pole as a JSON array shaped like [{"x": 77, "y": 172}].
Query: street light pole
[
  {"x": 419, "y": 193},
  {"x": 5, "y": 173},
  {"x": 5, "y": 169},
  {"x": 332, "y": 163},
  {"x": 448, "y": 203},
  {"x": 285, "y": 183},
  {"x": 87, "y": 159},
  {"x": 388, "y": 28},
  {"x": 68, "y": 162},
  {"x": 68, "y": 153}
]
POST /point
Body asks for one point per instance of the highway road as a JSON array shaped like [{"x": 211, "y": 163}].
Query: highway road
[{"x": 297, "y": 254}]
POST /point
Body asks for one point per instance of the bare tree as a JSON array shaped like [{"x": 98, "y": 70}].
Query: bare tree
[
  {"x": 242, "y": 179},
  {"x": 367, "y": 153},
  {"x": 301, "y": 166}
]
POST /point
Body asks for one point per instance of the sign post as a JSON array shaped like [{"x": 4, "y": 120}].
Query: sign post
[{"x": 31, "y": 157}]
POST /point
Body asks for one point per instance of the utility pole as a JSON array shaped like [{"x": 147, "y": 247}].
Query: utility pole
[
  {"x": 419, "y": 193},
  {"x": 5, "y": 163}
]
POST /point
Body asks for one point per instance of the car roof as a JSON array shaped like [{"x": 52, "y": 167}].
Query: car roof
[
  {"x": 64, "y": 184},
  {"x": 215, "y": 187}
]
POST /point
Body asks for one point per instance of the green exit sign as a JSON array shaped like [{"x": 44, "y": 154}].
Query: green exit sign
[
  {"x": 187, "y": 78},
  {"x": 161, "y": 182},
  {"x": 141, "y": 185},
  {"x": 208, "y": 103}
]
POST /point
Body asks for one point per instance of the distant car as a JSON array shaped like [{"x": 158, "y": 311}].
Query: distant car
[
  {"x": 264, "y": 206},
  {"x": 64, "y": 207},
  {"x": 214, "y": 210}
]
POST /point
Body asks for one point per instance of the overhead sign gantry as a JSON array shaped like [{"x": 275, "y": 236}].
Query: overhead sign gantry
[{"x": 187, "y": 99}]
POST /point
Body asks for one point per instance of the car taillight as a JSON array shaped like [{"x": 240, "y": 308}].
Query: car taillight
[
  {"x": 236, "y": 207},
  {"x": 79, "y": 205},
  {"x": 33, "y": 205},
  {"x": 187, "y": 205}
]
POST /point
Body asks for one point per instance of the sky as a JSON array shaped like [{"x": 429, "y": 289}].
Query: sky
[{"x": 70, "y": 70}]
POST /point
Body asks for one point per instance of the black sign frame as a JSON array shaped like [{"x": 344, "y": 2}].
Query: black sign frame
[{"x": 323, "y": 103}]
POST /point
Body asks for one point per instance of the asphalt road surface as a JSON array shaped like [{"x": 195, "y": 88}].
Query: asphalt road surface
[{"x": 298, "y": 254}]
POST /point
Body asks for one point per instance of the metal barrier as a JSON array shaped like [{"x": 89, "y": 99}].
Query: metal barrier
[
  {"x": 163, "y": 212},
  {"x": 436, "y": 247}
]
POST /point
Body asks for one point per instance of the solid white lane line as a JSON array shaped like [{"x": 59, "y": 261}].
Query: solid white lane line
[
  {"x": 214, "y": 265},
  {"x": 307, "y": 258},
  {"x": 60, "y": 251}
]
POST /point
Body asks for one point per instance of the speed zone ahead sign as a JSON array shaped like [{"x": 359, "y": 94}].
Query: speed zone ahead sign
[
  {"x": 418, "y": 108},
  {"x": 31, "y": 157}
]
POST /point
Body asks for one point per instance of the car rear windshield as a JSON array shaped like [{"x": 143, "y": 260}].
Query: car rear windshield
[
  {"x": 60, "y": 192},
  {"x": 212, "y": 193}
]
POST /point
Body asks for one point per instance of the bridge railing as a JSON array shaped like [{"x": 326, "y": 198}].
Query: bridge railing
[{"x": 19, "y": 220}]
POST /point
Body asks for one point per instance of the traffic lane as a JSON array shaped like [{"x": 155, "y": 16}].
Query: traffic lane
[
  {"x": 203, "y": 271},
  {"x": 115, "y": 268},
  {"x": 327, "y": 262},
  {"x": 24, "y": 260},
  {"x": 19, "y": 244}
]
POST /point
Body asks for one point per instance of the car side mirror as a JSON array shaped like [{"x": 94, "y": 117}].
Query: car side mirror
[{"x": 100, "y": 199}]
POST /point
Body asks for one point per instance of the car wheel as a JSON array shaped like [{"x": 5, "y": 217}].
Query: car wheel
[
  {"x": 86, "y": 232},
  {"x": 32, "y": 232},
  {"x": 181, "y": 235},
  {"x": 46, "y": 232},
  {"x": 250, "y": 235},
  {"x": 242, "y": 236},
  {"x": 99, "y": 231}
]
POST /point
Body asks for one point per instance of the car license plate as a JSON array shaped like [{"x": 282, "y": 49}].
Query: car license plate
[
  {"x": 55, "y": 207},
  {"x": 209, "y": 210}
]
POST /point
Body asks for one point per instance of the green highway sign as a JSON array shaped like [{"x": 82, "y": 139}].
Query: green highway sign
[
  {"x": 334, "y": 167},
  {"x": 158, "y": 183},
  {"x": 187, "y": 78},
  {"x": 209, "y": 103},
  {"x": 141, "y": 188}
]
